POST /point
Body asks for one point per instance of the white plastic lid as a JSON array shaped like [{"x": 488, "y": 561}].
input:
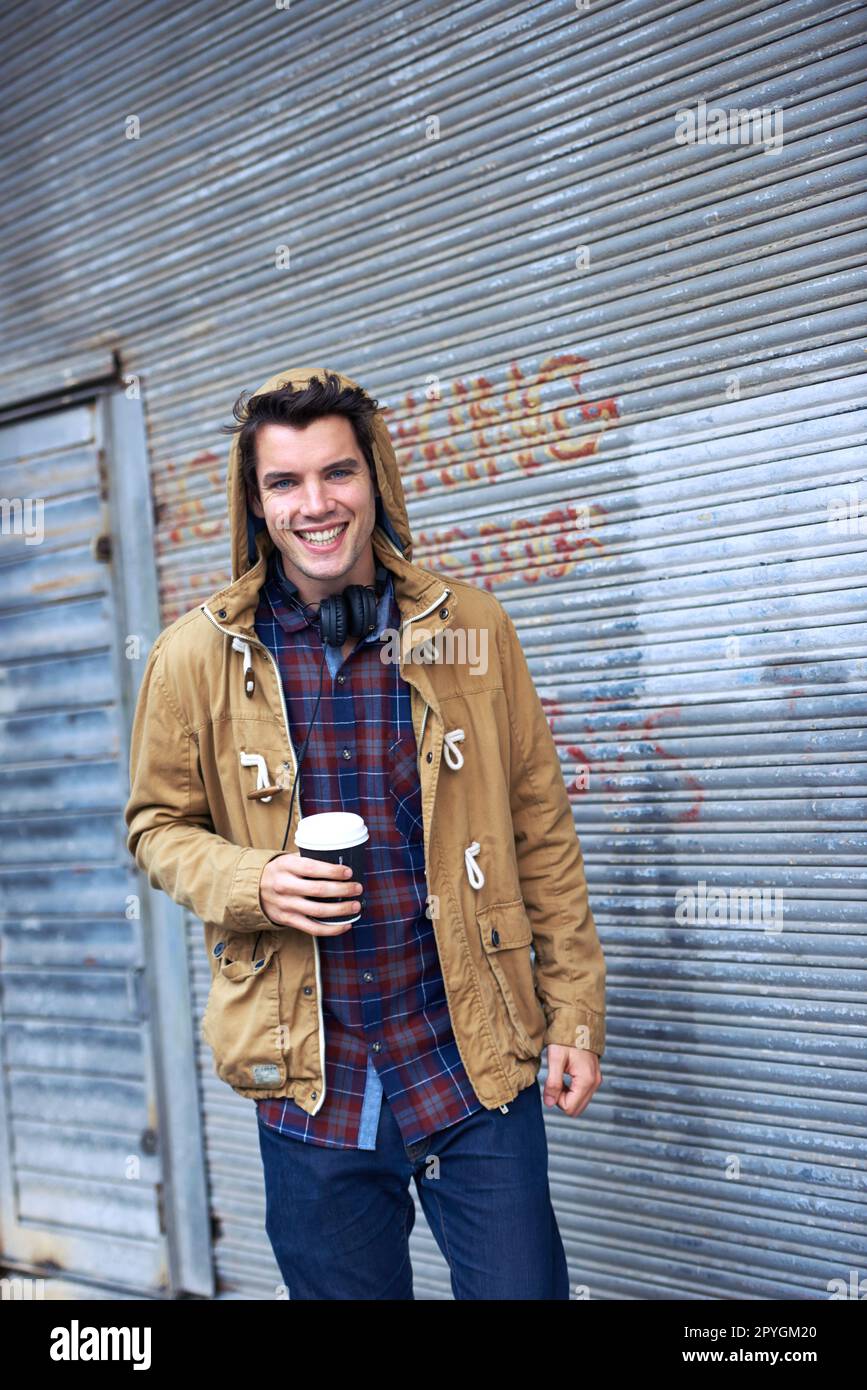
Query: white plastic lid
[{"x": 331, "y": 830}]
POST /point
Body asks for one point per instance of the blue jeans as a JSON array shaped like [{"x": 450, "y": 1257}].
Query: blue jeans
[{"x": 339, "y": 1220}]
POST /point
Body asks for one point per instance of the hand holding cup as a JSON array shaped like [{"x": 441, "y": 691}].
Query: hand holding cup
[
  {"x": 302, "y": 888},
  {"x": 295, "y": 891}
]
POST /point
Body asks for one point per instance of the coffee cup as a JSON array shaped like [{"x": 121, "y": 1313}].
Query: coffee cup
[{"x": 338, "y": 837}]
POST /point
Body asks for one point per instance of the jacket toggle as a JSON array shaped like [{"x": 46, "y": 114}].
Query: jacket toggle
[
  {"x": 474, "y": 873},
  {"x": 239, "y": 645},
  {"x": 452, "y": 754},
  {"x": 264, "y": 790}
]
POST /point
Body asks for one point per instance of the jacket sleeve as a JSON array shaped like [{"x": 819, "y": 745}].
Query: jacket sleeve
[
  {"x": 570, "y": 966},
  {"x": 170, "y": 831}
]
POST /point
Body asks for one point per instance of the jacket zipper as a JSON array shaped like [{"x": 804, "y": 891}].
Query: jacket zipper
[
  {"x": 257, "y": 643},
  {"x": 445, "y": 593}
]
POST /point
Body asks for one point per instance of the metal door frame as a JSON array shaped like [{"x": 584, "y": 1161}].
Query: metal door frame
[{"x": 128, "y": 545}]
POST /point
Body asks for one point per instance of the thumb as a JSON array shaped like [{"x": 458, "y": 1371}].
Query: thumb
[{"x": 554, "y": 1079}]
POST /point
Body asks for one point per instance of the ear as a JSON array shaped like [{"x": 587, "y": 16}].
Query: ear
[{"x": 253, "y": 502}]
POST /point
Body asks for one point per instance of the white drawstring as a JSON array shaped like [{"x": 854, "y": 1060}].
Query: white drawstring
[
  {"x": 474, "y": 873},
  {"x": 452, "y": 754},
  {"x": 262, "y": 778},
  {"x": 239, "y": 645}
]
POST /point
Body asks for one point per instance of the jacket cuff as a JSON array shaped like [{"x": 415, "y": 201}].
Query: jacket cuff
[
  {"x": 244, "y": 908},
  {"x": 578, "y": 1027}
]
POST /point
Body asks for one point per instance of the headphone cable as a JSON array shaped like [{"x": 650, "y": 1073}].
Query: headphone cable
[{"x": 304, "y": 750}]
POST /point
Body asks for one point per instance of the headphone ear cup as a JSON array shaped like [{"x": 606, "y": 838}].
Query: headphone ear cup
[
  {"x": 352, "y": 612},
  {"x": 333, "y": 620},
  {"x": 369, "y": 602},
  {"x": 361, "y": 606}
]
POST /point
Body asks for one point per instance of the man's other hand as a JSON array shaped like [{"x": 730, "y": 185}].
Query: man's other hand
[{"x": 586, "y": 1074}]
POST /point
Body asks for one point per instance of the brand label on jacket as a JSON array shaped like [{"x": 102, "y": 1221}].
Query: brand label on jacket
[{"x": 266, "y": 1074}]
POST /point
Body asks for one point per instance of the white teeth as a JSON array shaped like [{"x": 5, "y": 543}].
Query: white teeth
[{"x": 322, "y": 537}]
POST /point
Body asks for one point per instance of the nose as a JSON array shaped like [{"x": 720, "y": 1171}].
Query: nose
[{"x": 313, "y": 503}]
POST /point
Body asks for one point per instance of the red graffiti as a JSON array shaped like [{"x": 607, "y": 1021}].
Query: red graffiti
[
  {"x": 472, "y": 432},
  {"x": 632, "y": 731}
]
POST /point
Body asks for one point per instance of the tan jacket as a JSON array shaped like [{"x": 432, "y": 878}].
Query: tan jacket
[{"x": 503, "y": 862}]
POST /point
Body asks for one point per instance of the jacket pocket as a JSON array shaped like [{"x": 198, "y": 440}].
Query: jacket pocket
[
  {"x": 241, "y": 1022},
  {"x": 506, "y": 937}
]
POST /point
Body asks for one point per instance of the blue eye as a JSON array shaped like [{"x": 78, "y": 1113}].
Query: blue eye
[{"x": 332, "y": 474}]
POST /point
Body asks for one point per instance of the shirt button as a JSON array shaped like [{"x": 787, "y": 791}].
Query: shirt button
[
  {"x": 346, "y": 753},
  {"x": 368, "y": 976},
  {"x": 340, "y": 680},
  {"x": 376, "y": 1047},
  {"x": 495, "y": 937},
  {"x": 308, "y": 989},
  {"x": 430, "y": 757}
]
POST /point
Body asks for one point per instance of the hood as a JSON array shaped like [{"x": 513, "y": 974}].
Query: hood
[{"x": 249, "y": 534}]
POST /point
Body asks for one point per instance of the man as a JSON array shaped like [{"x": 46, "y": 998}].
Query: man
[{"x": 404, "y": 1046}]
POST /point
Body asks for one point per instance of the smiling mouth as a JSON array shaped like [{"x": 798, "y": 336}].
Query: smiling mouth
[{"x": 324, "y": 537}]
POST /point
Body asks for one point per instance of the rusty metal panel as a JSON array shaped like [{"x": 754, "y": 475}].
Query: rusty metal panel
[{"x": 626, "y": 380}]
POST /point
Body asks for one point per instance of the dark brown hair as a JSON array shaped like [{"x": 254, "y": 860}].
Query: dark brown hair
[{"x": 298, "y": 406}]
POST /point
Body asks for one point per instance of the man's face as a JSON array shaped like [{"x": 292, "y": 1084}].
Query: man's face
[{"x": 317, "y": 479}]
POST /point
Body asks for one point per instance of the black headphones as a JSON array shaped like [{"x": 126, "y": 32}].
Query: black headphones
[{"x": 351, "y": 613}]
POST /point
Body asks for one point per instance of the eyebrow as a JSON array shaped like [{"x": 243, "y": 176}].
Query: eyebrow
[{"x": 288, "y": 473}]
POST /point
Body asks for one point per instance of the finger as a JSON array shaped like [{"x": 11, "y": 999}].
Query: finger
[
  {"x": 323, "y": 888},
  {"x": 573, "y": 1100},
  {"x": 576, "y": 1098},
  {"x": 318, "y": 868},
  {"x": 309, "y": 907},
  {"x": 579, "y": 1107},
  {"x": 302, "y": 922},
  {"x": 318, "y": 928},
  {"x": 554, "y": 1079}
]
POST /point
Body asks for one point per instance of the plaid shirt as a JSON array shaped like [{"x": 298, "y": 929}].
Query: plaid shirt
[{"x": 387, "y": 1023}]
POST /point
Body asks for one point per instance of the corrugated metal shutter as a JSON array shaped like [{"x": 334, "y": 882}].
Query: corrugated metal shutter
[
  {"x": 636, "y": 448},
  {"x": 81, "y": 1177},
  {"x": 243, "y": 1260}
]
